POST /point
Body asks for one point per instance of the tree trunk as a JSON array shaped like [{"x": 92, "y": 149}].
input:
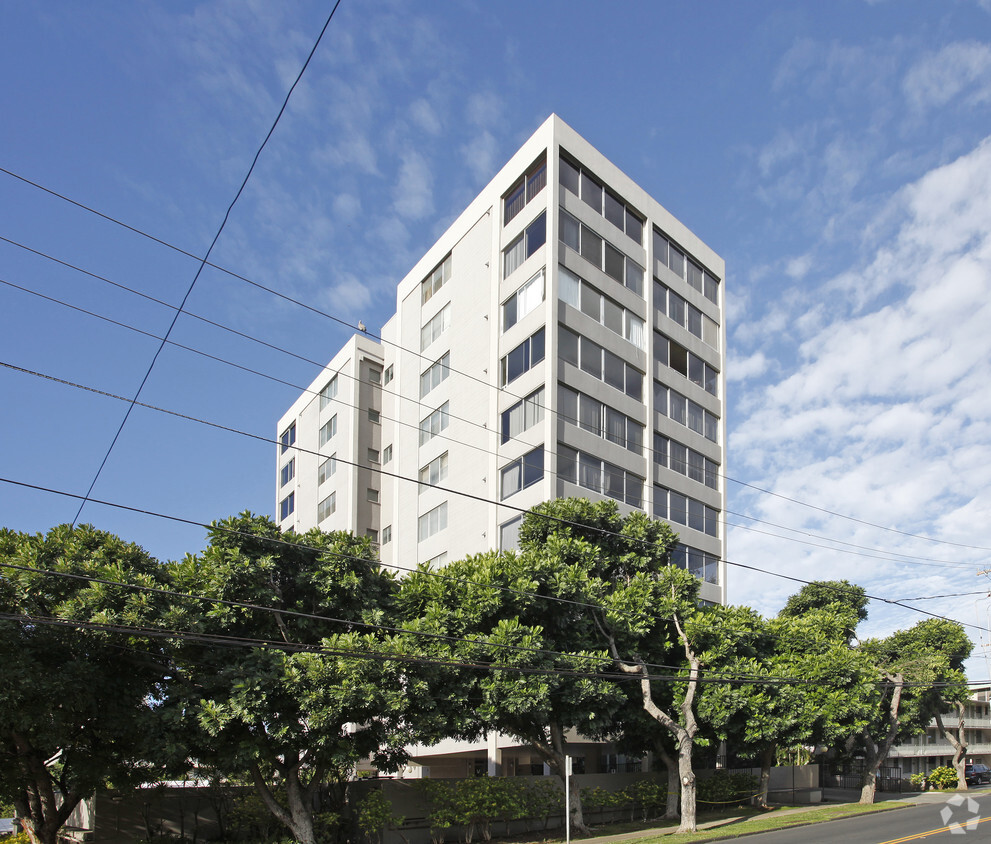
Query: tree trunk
[
  {"x": 38, "y": 807},
  {"x": 556, "y": 757},
  {"x": 687, "y": 784},
  {"x": 956, "y": 739},
  {"x": 298, "y": 814},
  {"x": 674, "y": 781},
  {"x": 877, "y": 753},
  {"x": 766, "y": 763},
  {"x": 683, "y": 730}
]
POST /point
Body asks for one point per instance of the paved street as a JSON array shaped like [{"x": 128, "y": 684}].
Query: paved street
[{"x": 929, "y": 818}]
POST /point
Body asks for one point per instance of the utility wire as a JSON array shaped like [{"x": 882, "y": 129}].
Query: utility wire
[
  {"x": 203, "y": 262},
  {"x": 385, "y": 473},
  {"x": 632, "y": 540},
  {"x": 420, "y": 356},
  {"x": 218, "y": 639},
  {"x": 683, "y": 465}
]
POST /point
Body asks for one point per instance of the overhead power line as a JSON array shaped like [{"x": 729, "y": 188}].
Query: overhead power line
[
  {"x": 632, "y": 540},
  {"x": 901, "y": 558},
  {"x": 203, "y": 263},
  {"x": 647, "y": 450},
  {"x": 358, "y": 329}
]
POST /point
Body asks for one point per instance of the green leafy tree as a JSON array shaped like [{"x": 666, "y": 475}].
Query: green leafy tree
[
  {"x": 315, "y": 689},
  {"x": 911, "y": 675},
  {"x": 78, "y": 705},
  {"x": 828, "y": 694},
  {"x": 920, "y": 671}
]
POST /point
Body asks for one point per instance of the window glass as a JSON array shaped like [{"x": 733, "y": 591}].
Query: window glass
[
  {"x": 569, "y": 176},
  {"x": 514, "y": 201},
  {"x": 660, "y": 449},
  {"x": 509, "y": 534},
  {"x": 660, "y": 249},
  {"x": 614, "y": 262},
  {"x": 288, "y": 472},
  {"x": 591, "y": 302},
  {"x": 288, "y": 437},
  {"x": 694, "y": 321},
  {"x": 570, "y": 231},
  {"x": 567, "y": 404},
  {"x": 634, "y": 383},
  {"x": 590, "y": 414},
  {"x": 634, "y": 436},
  {"x": 634, "y": 227},
  {"x": 612, "y": 316},
  {"x": 326, "y": 469},
  {"x": 533, "y": 466},
  {"x": 591, "y": 192},
  {"x": 568, "y": 345},
  {"x": 569, "y": 287},
  {"x": 634, "y": 276},
  {"x": 328, "y": 430},
  {"x": 676, "y": 260},
  {"x": 567, "y": 464},
  {"x": 615, "y": 427},
  {"x": 614, "y": 373},
  {"x": 615, "y": 211},
  {"x": 660, "y": 297},
  {"x": 374, "y": 416},
  {"x": 328, "y": 393},
  {"x": 710, "y": 332},
  {"x": 591, "y": 249},
  {"x": 696, "y": 369},
  {"x": 372, "y": 495},
  {"x": 536, "y": 234},
  {"x": 287, "y": 506},
  {"x": 710, "y": 288},
  {"x": 327, "y": 507},
  {"x": 679, "y": 357},
  {"x": 695, "y": 417},
  {"x": 711, "y": 431},
  {"x": 636, "y": 331},
  {"x": 591, "y": 357},
  {"x": 513, "y": 256},
  {"x": 695, "y": 276}
]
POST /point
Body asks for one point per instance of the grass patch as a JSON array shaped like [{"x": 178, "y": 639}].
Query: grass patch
[
  {"x": 729, "y": 823},
  {"x": 748, "y": 821}
]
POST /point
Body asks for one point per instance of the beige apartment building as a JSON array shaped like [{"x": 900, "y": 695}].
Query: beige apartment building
[{"x": 564, "y": 337}]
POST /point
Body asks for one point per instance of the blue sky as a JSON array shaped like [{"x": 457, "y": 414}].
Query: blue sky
[{"x": 837, "y": 155}]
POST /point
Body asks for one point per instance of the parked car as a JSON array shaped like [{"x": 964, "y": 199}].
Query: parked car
[{"x": 977, "y": 774}]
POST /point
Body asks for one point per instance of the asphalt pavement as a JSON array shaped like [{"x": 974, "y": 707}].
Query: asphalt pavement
[{"x": 930, "y": 815}]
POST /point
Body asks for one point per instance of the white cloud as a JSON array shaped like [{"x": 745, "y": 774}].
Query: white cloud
[
  {"x": 750, "y": 367},
  {"x": 943, "y": 75},
  {"x": 884, "y": 413},
  {"x": 413, "y": 198},
  {"x": 422, "y": 114},
  {"x": 480, "y": 155}
]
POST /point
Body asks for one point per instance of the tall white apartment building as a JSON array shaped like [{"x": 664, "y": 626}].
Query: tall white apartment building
[{"x": 564, "y": 337}]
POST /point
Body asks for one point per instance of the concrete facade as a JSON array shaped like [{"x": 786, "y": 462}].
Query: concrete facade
[{"x": 565, "y": 336}]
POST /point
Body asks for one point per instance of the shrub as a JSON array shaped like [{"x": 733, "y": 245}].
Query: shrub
[
  {"x": 725, "y": 788},
  {"x": 375, "y": 815},
  {"x": 918, "y": 781},
  {"x": 943, "y": 777}
]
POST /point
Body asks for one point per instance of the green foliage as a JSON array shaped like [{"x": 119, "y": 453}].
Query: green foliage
[
  {"x": 375, "y": 815},
  {"x": 724, "y": 788},
  {"x": 19, "y": 838},
  {"x": 288, "y": 715},
  {"x": 477, "y": 803},
  {"x": 918, "y": 780},
  {"x": 943, "y": 777},
  {"x": 83, "y": 695}
]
